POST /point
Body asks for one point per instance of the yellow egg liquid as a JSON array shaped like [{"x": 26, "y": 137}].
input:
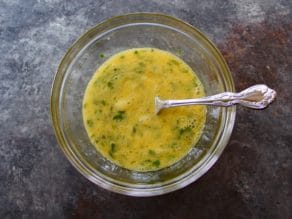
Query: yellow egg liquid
[{"x": 119, "y": 110}]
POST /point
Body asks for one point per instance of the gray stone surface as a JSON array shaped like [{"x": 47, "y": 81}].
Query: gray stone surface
[{"x": 252, "y": 179}]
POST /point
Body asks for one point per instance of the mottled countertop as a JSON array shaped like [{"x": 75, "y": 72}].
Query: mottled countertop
[{"x": 252, "y": 179}]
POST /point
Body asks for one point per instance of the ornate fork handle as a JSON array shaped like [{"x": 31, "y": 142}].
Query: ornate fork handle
[{"x": 256, "y": 97}]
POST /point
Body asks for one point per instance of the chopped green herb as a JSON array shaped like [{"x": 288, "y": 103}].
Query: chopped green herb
[
  {"x": 122, "y": 57},
  {"x": 110, "y": 85},
  {"x": 136, "y": 52},
  {"x": 142, "y": 64},
  {"x": 173, "y": 145},
  {"x": 103, "y": 102},
  {"x": 156, "y": 163},
  {"x": 151, "y": 152},
  {"x": 115, "y": 76},
  {"x": 139, "y": 70},
  {"x": 119, "y": 116},
  {"x": 97, "y": 112},
  {"x": 184, "y": 130},
  {"x": 113, "y": 149},
  {"x": 195, "y": 84},
  {"x": 145, "y": 162},
  {"x": 84, "y": 105},
  {"x": 185, "y": 70},
  {"x": 134, "y": 130},
  {"x": 174, "y": 62},
  {"x": 101, "y": 55},
  {"x": 89, "y": 123}
]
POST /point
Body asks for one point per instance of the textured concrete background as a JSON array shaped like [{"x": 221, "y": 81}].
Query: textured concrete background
[{"x": 252, "y": 179}]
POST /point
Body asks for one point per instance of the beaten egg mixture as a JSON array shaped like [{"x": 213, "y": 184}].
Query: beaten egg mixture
[{"x": 119, "y": 112}]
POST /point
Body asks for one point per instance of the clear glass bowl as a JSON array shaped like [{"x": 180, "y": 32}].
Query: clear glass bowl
[{"x": 132, "y": 31}]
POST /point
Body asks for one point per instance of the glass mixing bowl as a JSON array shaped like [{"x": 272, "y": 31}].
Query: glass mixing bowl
[{"x": 132, "y": 31}]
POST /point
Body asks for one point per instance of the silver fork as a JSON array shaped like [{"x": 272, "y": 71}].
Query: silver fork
[{"x": 256, "y": 97}]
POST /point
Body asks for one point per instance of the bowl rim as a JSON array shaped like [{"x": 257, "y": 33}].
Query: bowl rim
[{"x": 120, "y": 188}]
